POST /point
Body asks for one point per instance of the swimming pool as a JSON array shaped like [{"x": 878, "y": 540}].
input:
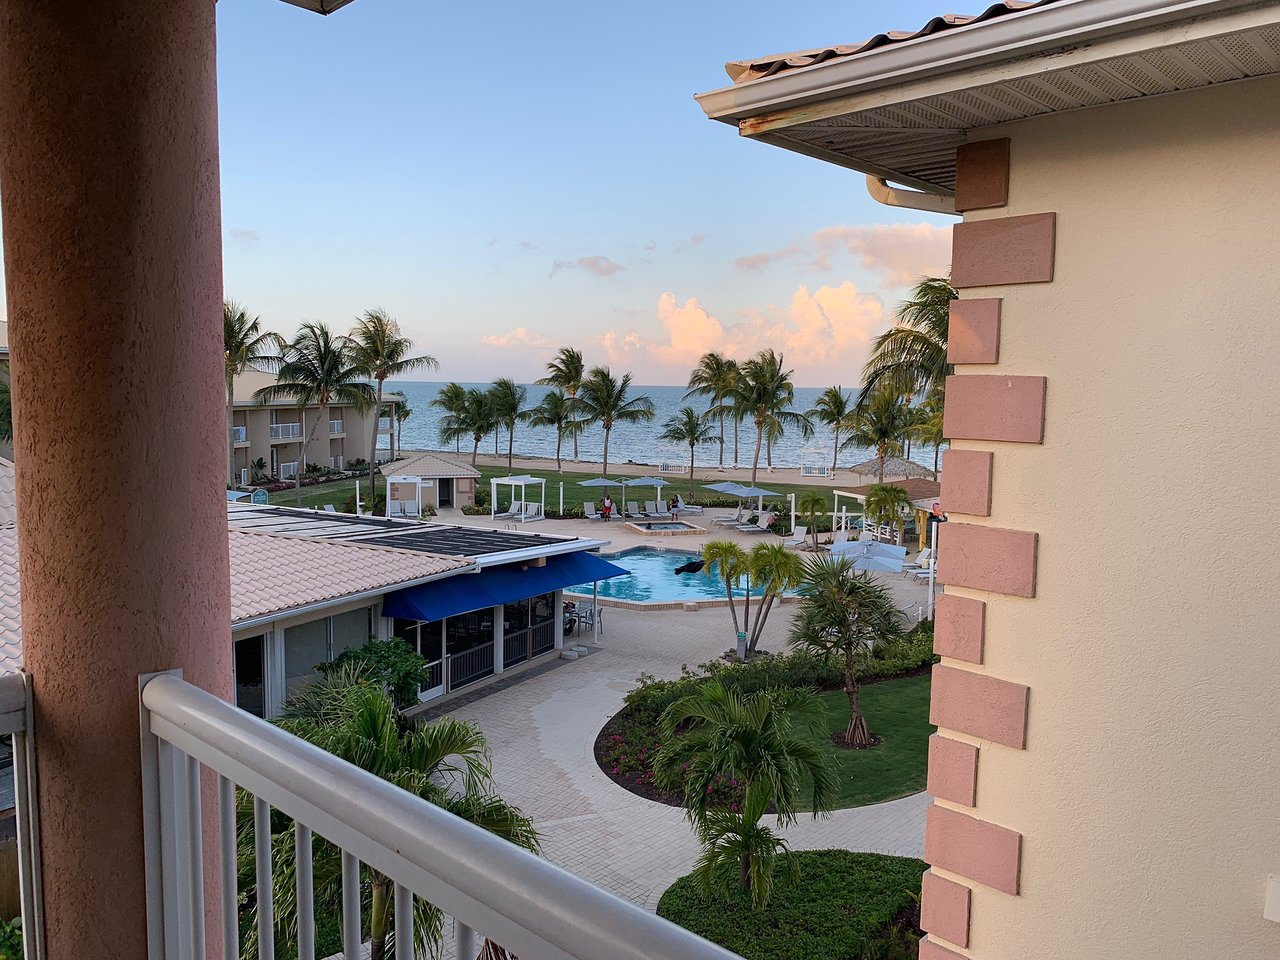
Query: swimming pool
[{"x": 654, "y": 580}]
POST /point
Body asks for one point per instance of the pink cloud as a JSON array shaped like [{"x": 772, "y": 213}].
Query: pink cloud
[
  {"x": 599, "y": 265},
  {"x": 519, "y": 337},
  {"x": 900, "y": 252},
  {"x": 755, "y": 262}
]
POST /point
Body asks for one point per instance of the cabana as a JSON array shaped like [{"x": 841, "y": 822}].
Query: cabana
[
  {"x": 525, "y": 514},
  {"x": 923, "y": 494}
]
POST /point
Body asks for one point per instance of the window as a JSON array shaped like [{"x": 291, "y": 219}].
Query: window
[
  {"x": 304, "y": 646},
  {"x": 250, "y": 675},
  {"x": 350, "y": 629},
  {"x": 469, "y": 630}
]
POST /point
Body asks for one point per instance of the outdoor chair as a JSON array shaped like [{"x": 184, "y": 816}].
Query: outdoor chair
[
  {"x": 687, "y": 507},
  {"x": 798, "y": 537},
  {"x": 651, "y": 510},
  {"x": 729, "y": 520},
  {"x": 516, "y": 508},
  {"x": 590, "y": 512},
  {"x": 760, "y": 526},
  {"x": 532, "y": 511},
  {"x": 330, "y": 508},
  {"x": 587, "y": 619},
  {"x": 921, "y": 562},
  {"x": 633, "y": 509}
]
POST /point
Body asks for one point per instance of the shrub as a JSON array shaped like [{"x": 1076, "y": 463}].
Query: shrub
[
  {"x": 844, "y": 904},
  {"x": 11, "y": 939},
  {"x": 378, "y": 507},
  {"x": 391, "y": 662},
  {"x": 360, "y": 463}
]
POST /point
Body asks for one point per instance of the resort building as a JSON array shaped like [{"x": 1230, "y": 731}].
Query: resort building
[
  {"x": 419, "y": 480},
  {"x": 1104, "y": 776},
  {"x": 273, "y": 432}
]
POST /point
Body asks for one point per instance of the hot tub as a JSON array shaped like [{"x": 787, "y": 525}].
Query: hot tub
[{"x": 664, "y": 528}]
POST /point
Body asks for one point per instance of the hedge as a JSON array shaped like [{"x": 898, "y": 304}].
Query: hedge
[{"x": 845, "y": 906}]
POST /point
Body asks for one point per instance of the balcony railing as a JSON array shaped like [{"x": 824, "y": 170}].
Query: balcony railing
[
  {"x": 289, "y": 470},
  {"x": 335, "y": 426},
  {"x": 469, "y": 666},
  {"x": 491, "y": 888},
  {"x": 239, "y": 435},
  {"x": 384, "y": 424},
  {"x": 286, "y": 431}
]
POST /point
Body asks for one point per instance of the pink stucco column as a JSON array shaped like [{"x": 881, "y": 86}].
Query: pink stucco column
[{"x": 109, "y": 179}]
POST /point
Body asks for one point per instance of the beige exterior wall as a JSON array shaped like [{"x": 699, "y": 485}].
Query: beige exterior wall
[{"x": 1148, "y": 796}]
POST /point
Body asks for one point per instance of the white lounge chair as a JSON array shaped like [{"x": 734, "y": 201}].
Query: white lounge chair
[
  {"x": 687, "y": 507},
  {"x": 651, "y": 510},
  {"x": 633, "y": 509},
  {"x": 330, "y": 508},
  {"x": 839, "y": 537},
  {"x": 532, "y": 511},
  {"x": 923, "y": 572},
  {"x": 729, "y": 520},
  {"x": 798, "y": 536},
  {"x": 760, "y": 526},
  {"x": 515, "y": 510},
  {"x": 590, "y": 512},
  {"x": 921, "y": 562}
]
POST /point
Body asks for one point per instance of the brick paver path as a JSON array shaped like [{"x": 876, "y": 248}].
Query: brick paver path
[{"x": 542, "y": 731}]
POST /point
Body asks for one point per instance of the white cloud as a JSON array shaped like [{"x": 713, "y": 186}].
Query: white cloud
[
  {"x": 901, "y": 252},
  {"x": 245, "y": 237},
  {"x": 519, "y": 337},
  {"x": 601, "y": 266}
]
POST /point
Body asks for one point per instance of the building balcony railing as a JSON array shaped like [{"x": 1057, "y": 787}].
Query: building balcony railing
[
  {"x": 492, "y": 889},
  {"x": 286, "y": 431},
  {"x": 239, "y": 435},
  {"x": 335, "y": 427},
  {"x": 289, "y": 470},
  {"x": 384, "y": 424}
]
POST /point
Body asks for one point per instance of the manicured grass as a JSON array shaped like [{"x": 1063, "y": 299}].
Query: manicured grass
[
  {"x": 336, "y": 492},
  {"x": 898, "y": 711},
  {"x": 842, "y": 903}
]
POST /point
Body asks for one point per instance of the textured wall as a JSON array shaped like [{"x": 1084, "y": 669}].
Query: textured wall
[{"x": 112, "y": 244}]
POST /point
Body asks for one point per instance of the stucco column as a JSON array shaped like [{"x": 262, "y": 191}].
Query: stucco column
[
  {"x": 112, "y": 246},
  {"x": 499, "y": 641}
]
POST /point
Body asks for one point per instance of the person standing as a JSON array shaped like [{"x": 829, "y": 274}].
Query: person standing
[{"x": 606, "y": 508}]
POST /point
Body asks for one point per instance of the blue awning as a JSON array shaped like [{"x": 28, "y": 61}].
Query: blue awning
[{"x": 496, "y": 585}]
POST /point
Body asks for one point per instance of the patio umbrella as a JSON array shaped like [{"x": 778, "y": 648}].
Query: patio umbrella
[
  {"x": 893, "y": 467},
  {"x": 646, "y": 482},
  {"x": 602, "y": 482},
  {"x": 869, "y": 555},
  {"x": 758, "y": 492}
]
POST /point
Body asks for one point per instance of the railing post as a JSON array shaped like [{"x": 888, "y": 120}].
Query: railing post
[
  {"x": 28, "y": 824},
  {"x": 466, "y": 943}
]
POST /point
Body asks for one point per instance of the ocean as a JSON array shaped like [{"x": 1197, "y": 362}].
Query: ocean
[{"x": 637, "y": 443}]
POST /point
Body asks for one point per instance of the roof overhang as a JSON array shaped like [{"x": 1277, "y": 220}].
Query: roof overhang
[
  {"x": 900, "y": 111},
  {"x": 320, "y": 6}
]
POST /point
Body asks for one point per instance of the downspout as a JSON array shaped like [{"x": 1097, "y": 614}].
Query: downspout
[{"x": 881, "y": 192}]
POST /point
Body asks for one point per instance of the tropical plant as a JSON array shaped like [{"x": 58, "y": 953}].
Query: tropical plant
[
  {"x": 912, "y": 356},
  {"x": 473, "y": 420},
  {"x": 834, "y": 408},
  {"x": 845, "y": 613},
  {"x": 508, "y": 400},
  {"x": 812, "y": 505},
  {"x": 392, "y": 663},
  {"x": 766, "y": 742},
  {"x": 764, "y": 392},
  {"x": 258, "y": 469},
  {"x": 379, "y": 351},
  {"x": 566, "y": 371},
  {"x": 774, "y": 571},
  {"x": 403, "y": 413},
  {"x": 728, "y": 561},
  {"x": 880, "y": 426},
  {"x": 452, "y": 399},
  {"x": 11, "y": 939},
  {"x": 317, "y": 368},
  {"x": 245, "y": 344},
  {"x": 927, "y": 428},
  {"x": 605, "y": 400},
  {"x": 714, "y": 378},
  {"x": 445, "y": 762},
  {"x": 690, "y": 428},
  {"x": 554, "y": 410},
  {"x": 6, "y": 409},
  {"x": 887, "y": 503}
]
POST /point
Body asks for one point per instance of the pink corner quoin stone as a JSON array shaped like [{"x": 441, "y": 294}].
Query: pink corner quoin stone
[
  {"x": 986, "y": 253},
  {"x": 979, "y": 705},
  {"x": 981, "y": 851},
  {"x": 986, "y": 407},
  {"x": 960, "y": 625},
  {"x": 988, "y": 558},
  {"x": 966, "y": 482},
  {"x": 973, "y": 331},
  {"x": 944, "y": 908},
  {"x": 931, "y": 950},
  {"x": 953, "y": 773}
]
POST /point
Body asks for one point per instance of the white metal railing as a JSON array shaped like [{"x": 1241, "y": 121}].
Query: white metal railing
[
  {"x": 286, "y": 431},
  {"x": 335, "y": 426},
  {"x": 468, "y": 666},
  {"x": 338, "y": 463},
  {"x": 384, "y": 424},
  {"x": 15, "y": 721},
  {"x": 810, "y": 470},
  {"x": 239, "y": 434},
  {"x": 289, "y": 470},
  {"x": 489, "y": 886}
]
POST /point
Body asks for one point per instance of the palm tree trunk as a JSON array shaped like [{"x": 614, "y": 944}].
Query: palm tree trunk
[
  {"x": 605, "y": 468},
  {"x": 721, "y": 438},
  {"x": 755, "y": 463},
  {"x": 373, "y": 442},
  {"x": 736, "y": 424},
  {"x": 297, "y": 475},
  {"x": 746, "y": 611},
  {"x": 882, "y": 452},
  {"x": 733, "y": 607},
  {"x": 762, "y": 614},
  {"x": 937, "y": 447},
  {"x": 393, "y": 441},
  {"x": 378, "y": 909},
  {"x": 511, "y": 442},
  {"x": 572, "y": 396},
  {"x": 496, "y": 431},
  {"x": 231, "y": 446},
  {"x": 475, "y": 448},
  {"x": 744, "y": 872},
  {"x": 559, "y": 440},
  {"x": 856, "y": 735},
  {"x": 768, "y": 452},
  {"x": 835, "y": 455}
]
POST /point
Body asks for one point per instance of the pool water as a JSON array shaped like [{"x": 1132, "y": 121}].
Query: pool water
[{"x": 654, "y": 580}]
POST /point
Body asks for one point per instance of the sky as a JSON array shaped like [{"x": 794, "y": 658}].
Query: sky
[{"x": 508, "y": 178}]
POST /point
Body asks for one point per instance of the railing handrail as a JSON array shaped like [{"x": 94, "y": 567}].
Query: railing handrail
[{"x": 521, "y": 901}]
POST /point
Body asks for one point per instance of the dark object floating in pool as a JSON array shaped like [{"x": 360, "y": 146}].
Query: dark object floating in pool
[{"x": 693, "y": 566}]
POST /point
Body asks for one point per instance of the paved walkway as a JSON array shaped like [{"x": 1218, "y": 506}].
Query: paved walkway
[{"x": 542, "y": 732}]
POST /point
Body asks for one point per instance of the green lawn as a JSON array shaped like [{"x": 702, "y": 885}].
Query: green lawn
[
  {"x": 898, "y": 711},
  {"x": 336, "y": 492}
]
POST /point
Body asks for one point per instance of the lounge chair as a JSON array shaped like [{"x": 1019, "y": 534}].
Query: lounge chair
[
  {"x": 923, "y": 572},
  {"x": 590, "y": 512},
  {"x": 651, "y": 510},
  {"x": 760, "y": 526},
  {"x": 798, "y": 536},
  {"x": 532, "y": 511},
  {"x": 633, "y": 509},
  {"x": 687, "y": 507},
  {"x": 921, "y": 562},
  {"x": 330, "y": 508},
  {"x": 515, "y": 510},
  {"x": 729, "y": 520},
  {"x": 839, "y": 537}
]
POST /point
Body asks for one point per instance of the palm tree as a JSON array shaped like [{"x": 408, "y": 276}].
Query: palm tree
[
  {"x": 566, "y": 371},
  {"x": 912, "y": 356},
  {"x": 452, "y": 399},
  {"x": 403, "y": 413},
  {"x": 764, "y": 392},
  {"x": 775, "y": 570},
  {"x": 887, "y": 503},
  {"x": 881, "y": 424},
  {"x": 554, "y": 410},
  {"x": 445, "y": 762},
  {"x": 508, "y": 399},
  {"x": 603, "y": 399},
  {"x": 474, "y": 419},
  {"x": 812, "y": 505},
  {"x": 380, "y": 352},
  {"x": 928, "y": 427},
  {"x": 714, "y": 378},
  {"x": 766, "y": 741},
  {"x": 834, "y": 409},
  {"x": 244, "y": 345},
  {"x": 728, "y": 560},
  {"x": 688, "y": 427},
  {"x": 317, "y": 368},
  {"x": 6, "y": 409},
  {"x": 845, "y": 613}
]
